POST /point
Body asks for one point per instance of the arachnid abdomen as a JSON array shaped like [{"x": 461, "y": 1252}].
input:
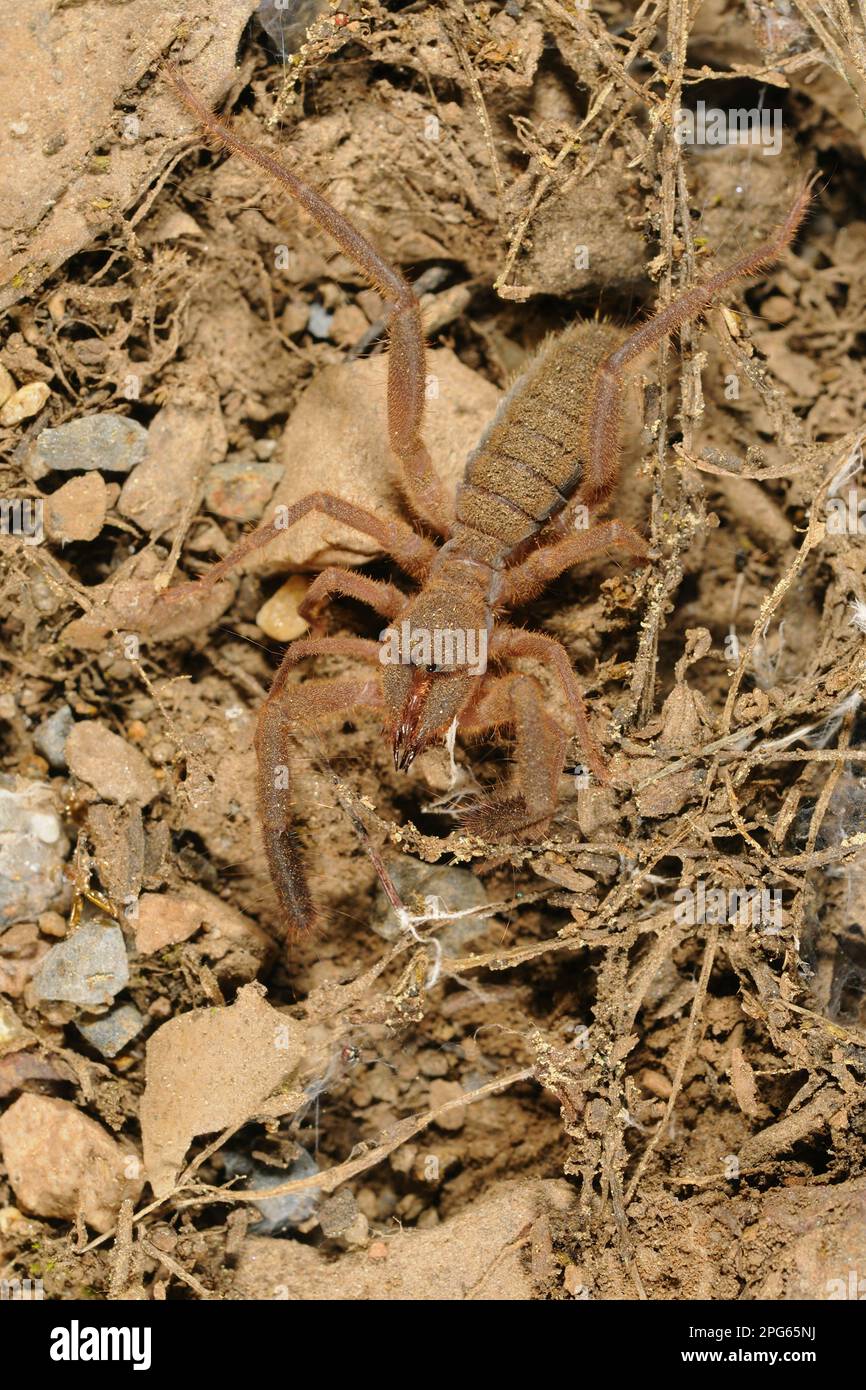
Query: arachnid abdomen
[{"x": 529, "y": 463}]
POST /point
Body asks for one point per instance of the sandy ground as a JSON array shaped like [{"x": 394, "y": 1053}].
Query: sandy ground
[{"x": 608, "y": 1080}]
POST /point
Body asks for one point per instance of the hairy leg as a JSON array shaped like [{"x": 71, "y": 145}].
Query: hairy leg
[
  {"x": 601, "y": 447},
  {"x": 509, "y": 641},
  {"x": 385, "y": 599},
  {"x": 290, "y": 710},
  {"x": 527, "y": 802},
  {"x": 413, "y": 553},
  {"x": 406, "y": 360},
  {"x": 527, "y": 579}
]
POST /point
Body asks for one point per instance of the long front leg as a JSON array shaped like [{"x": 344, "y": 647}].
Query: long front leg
[
  {"x": 413, "y": 553},
  {"x": 290, "y": 710},
  {"x": 527, "y": 579},
  {"x": 601, "y": 443},
  {"x": 527, "y": 802},
  {"x": 406, "y": 360},
  {"x": 508, "y": 641}
]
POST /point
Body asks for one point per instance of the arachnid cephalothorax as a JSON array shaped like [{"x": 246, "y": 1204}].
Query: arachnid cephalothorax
[{"x": 555, "y": 440}]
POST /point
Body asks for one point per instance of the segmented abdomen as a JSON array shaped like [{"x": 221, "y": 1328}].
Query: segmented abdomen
[{"x": 529, "y": 463}]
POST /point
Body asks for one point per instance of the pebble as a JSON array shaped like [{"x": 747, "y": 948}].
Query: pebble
[
  {"x": 341, "y": 1221},
  {"x": 163, "y": 919},
  {"x": 23, "y": 950},
  {"x": 278, "y": 617},
  {"x": 319, "y": 321},
  {"x": 777, "y": 308},
  {"x": 278, "y": 1213},
  {"x": 32, "y": 849},
  {"x": 51, "y": 735},
  {"x": 116, "y": 834},
  {"x": 76, "y": 511},
  {"x": 112, "y": 1032},
  {"x": 113, "y": 443},
  {"x": 109, "y": 764},
  {"x": 22, "y": 404},
  {"x": 89, "y": 967},
  {"x": 240, "y": 490},
  {"x": 59, "y": 1162},
  {"x": 457, "y": 889},
  {"x": 7, "y": 384},
  {"x": 440, "y": 1093},
  {"x": 182, "y": 442},
  {"x": 208, "y": 1069},
  {"x": 12, "y": 1033},
  {"x": 348, "y": 325},
  {"x": 237, "y": 946}
]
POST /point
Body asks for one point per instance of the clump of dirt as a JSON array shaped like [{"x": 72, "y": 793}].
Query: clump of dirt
[{"x": 623, "y": 1060}]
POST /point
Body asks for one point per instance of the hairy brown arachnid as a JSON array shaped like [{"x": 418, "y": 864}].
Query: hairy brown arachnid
[{"x": 555, "y": 439}]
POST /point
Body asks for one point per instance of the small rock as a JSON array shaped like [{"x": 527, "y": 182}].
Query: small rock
[
  {"x": 777, "y": 308},
  {"x": 32, "y": 849},
  {"x": 433, "y": 1062},
  {"x": 173, "y": 224},
  {"x": 61, "y": 1162},
  {"x": 440, "y": 1093},
  {"x": 109, "y": 764},
  {"x": 278, "y": 1213},
  {"x": 26, "y": 401},
  {"x": 89, "y": 967},
  {"x": 21, "y": 956},
  {"x": 119, "y": 848},
  {"x": 341, "y": 1221},
  {"x": 13, "y": 1034},
  {"x": 7, "y": 385},
  {"x": 112, "y": 443},
  {"x": 50, "y": 737},
  {"x": 113, "y": 1031},
  {"x": 52, "y": 924},
  {"x": 294, "y": 318},
  {"x": 240, "y": 491},
  {"x": 349, "y": 323},
  {"x": 163, "y": 919},
  {"x": 210, "y": 1069},
  {"x": 182, "y": 443},
  {"x": 319, "y": 321},
  {"x": 19, "y": 1070},
  {"x": 456, "y": 890},
  {"x": 238, "y": 947},
  {"x": 278, "y": 617},
  {"x": 76, "y": 512}
]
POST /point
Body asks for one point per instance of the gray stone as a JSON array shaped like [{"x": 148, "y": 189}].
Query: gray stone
[
  {"x": 110, "y": 1033},
  {"x": 457, "y": 889},
  {"x": 319, "y": 321},
  {"x": 89, "y": 967},
  {"x": 51, "y": 735},
  {"x": 111, "y": 443},
  {"x": 32, "y": 850},
  {"x": 279, "y": 1213}
]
